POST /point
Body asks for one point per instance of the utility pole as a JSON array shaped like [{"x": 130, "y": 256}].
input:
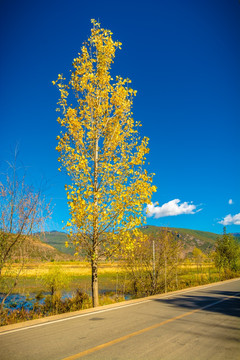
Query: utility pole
[
  {"x": 165, "y": 272},
  {"x": 154, "y": 270}
]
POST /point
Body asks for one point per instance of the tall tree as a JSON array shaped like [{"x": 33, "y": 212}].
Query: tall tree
[
  {"x": 102, "y": 152},
  {"x": 227, "y": 253},
  {"x": 198, "y": 257}
]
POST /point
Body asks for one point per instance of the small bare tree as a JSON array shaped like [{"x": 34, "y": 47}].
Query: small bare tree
[
  {"x": 153, "y": 262},
  {"x": 22, "y": 212}
]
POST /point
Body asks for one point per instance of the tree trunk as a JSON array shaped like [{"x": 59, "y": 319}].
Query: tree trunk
[
  {"x": 95, "y": 301},
  {"x": 94, "y": 259}
]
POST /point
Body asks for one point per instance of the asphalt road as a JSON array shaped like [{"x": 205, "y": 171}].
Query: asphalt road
[{"x": 200, "y": 323}]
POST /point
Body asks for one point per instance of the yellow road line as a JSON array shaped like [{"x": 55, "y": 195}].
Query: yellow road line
[{"x": 139, "y": 332}]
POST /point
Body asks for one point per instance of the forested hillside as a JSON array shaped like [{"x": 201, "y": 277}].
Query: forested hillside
[
  {"x": 189, "y": 238},
  {"x": 57, "y": 239}
]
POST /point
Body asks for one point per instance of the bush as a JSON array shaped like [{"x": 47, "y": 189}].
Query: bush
[
  {"x": 15, "y": 316},
  {"x": 55, "y": 279}
]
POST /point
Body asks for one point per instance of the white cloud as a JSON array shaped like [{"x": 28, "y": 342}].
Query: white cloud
[
  {"x": 231, "y": 220},
  {"x": 230, "y": 201},
  {"x": 172, "y": 208}
]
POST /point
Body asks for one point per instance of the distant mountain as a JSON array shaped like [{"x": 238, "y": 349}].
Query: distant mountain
[
  {"x": 237, "y": 235},
  {"x": 57, "y": 239},
  {"x": 189, "y": 238},
  {"x": 32, "y": 249}
]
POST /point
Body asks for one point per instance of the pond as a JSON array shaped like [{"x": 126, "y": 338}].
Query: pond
[
  {"x": 26, "y": 302},
  {"x": 18, "y": 301}
]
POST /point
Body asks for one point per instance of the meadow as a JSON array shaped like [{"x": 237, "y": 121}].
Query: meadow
[
  {"x": 78, "y": 275},
  {"x": 113, "y": 277}
]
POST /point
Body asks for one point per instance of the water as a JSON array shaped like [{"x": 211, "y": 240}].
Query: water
[
  {"x": 18, "y": 301},
  {"x": 27, "y": 302}
]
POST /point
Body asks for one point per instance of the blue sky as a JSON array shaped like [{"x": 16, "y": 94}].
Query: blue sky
[{"x": 183, "y": 59}]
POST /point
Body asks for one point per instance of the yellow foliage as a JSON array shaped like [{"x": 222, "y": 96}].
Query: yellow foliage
[{"x": 101, "y": 150}]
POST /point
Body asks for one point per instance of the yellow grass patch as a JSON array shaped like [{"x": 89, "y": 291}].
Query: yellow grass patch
[{"x": 69, "y": 268}]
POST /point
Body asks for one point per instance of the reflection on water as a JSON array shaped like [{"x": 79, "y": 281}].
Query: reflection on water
[
  {"x": 27, "y": 302},
  {"x": 18, "y": 301}
]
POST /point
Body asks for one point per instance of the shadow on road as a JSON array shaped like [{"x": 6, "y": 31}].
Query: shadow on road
[{"x": 229, "y": 307}]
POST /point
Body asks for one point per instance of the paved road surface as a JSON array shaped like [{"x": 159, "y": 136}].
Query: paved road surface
[{"x": 196, "y": 324}]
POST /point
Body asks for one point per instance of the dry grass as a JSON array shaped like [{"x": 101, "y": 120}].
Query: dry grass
[
  {"x": 112, "y": 276},
  {"x": 73, "y": 269},
  {"x": 82, "y": 268}
]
